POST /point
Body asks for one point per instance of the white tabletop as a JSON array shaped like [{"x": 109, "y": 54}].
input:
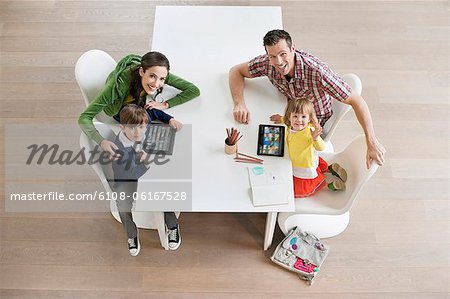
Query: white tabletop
[{"x": 202, "y": 44}]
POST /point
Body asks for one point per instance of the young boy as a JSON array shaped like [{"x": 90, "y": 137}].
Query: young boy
[{"x": 131, "y": 165}]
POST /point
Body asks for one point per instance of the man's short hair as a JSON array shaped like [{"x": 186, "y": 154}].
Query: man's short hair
[{"x": 274, "y": 36}]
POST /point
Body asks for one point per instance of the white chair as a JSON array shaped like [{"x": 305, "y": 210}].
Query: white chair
[
  {"x": 327, "y": 213},
  {"x": 149, "y": 220},
  {"x": 91, "y": 71},
  {"x": 339, "y": 111}
]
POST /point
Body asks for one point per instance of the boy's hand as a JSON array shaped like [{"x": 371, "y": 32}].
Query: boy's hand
[
  {"x": 317, "y": 130},
  {"x": 144, "y": 158},
  {"x": 110, "y": 148},
  {"x": 175, "y": 124},
  {"x": 156, "y": 105},
  {"x": 276, "y": 118}
]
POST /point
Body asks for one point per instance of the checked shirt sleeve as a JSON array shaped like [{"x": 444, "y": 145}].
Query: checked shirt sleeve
[{"x": 259, "y": 66}]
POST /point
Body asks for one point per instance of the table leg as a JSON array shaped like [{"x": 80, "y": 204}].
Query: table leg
[
  {"x": 271, "y": 221},
  {"x": 160, "y": 224}
]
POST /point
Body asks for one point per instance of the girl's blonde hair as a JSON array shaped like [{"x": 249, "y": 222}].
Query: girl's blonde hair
[{"x": 302, "y": 106}]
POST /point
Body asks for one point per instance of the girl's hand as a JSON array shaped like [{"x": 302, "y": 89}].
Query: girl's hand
[
  {"x": 276, "y": 118},
  {"x": 175, "y": 124},
  {"x": 317, "y": 130},
  {"x": 156, "y": 105},
  {"x": 110, "y": 148}
]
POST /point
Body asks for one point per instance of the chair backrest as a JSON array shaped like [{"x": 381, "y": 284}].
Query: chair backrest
[
  {"x": 339, "y": 108},
  {"x": 353, "y": 159},
  {"x": 91, "y": 71},
  {"x": 103, "y": 170}
]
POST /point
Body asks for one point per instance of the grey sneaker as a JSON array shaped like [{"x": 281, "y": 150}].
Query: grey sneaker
[{"x": 174, "y": 238}]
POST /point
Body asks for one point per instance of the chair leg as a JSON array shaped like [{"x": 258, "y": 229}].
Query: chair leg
[
  {"x": 270, "y": 229},
  {"x": 114, "y": 211},
  {"x": 160, "y": 224}
]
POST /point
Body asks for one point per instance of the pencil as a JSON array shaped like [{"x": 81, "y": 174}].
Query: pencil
[{"x": 249, "y": 156}]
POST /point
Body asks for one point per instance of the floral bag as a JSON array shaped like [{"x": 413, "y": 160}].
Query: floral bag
[{"x": 301, "y": 252}]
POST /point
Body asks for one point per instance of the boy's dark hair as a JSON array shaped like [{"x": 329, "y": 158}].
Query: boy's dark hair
[
  {"x": 133, "y": 114},
  {"x": 274, "y": 36},
  {"x": 147, "y": 61}
]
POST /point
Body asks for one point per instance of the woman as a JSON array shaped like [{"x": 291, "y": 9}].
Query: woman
[{"x": 131, "y": 81}]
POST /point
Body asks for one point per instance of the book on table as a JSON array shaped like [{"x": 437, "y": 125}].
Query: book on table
[{"x": 269, "y": 185}]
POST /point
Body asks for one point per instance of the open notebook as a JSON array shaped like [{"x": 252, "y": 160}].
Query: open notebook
[{"x": 269, "y": 185}]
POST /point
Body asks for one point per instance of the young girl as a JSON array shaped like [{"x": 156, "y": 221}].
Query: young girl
[{"x": 303, "y": 140}]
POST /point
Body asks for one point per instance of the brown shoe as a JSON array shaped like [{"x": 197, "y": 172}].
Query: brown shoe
[
  {"x": 338, "y": 171},
  {"x": 336, "y": 185}
]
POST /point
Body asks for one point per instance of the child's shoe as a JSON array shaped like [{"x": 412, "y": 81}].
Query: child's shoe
[
  {"x": 336, "y": 185},
  {"x": 174, "y": 238},
  {"x": 338, "y": 171},
  {"x": 134, "y": 246}
]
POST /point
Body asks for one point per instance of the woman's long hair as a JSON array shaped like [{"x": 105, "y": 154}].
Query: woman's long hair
[{"x": 147, "y": 61}]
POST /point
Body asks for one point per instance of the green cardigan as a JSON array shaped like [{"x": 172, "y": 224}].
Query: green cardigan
[{"x": 117, "y": 88}]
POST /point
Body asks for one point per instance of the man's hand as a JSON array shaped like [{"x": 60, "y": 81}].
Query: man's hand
[
  {"x": 156, "y": 105},
  {"x": 236, "y": 78},
  {"x": 375, "y": 152},
  {"x": 241, "y": 114},
  {"x": 175, "y": 124},
  {"x": 276, "y": 118},
  {"x": 110, "y": 148}
]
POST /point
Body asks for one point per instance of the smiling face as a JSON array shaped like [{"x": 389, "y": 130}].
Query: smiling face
[
  {"x": 299, "y": 121},
  {"x": 153, "y": 78},
  {"x": 134, "y": 132},
  {"x": 282, "y": 57}
]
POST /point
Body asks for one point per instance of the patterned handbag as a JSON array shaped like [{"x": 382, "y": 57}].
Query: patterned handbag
[{"x": 301, "y": 252}]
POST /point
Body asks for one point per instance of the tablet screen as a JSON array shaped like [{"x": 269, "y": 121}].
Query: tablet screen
[{"x": 271, "y": 140}]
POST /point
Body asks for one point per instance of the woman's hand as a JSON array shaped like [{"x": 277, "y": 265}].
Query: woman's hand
[
  {"x": 176, "y": 124},
  {"x": 276, "y": 118},
  {"x": 317, "y": 130},
  {"x": 156, "y": 105},
  {"x": 110, "y": 148}
]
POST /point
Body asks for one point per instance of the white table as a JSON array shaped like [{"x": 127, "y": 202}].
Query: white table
[{"x": 202, "y": 43}]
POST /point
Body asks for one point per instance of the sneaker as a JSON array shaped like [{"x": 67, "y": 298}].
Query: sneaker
[
  {"x": 174, "y": 238},
  {"x": 134, "y": 246}
]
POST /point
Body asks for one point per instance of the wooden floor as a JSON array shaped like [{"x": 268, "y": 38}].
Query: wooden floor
[{"x": 398, "y": 242}]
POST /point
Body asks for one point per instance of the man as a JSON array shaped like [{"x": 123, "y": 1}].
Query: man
[{"x": 299, "y": 74}]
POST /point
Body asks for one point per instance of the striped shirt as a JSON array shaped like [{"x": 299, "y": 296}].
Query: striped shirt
[{"x": 312, "y": 80}]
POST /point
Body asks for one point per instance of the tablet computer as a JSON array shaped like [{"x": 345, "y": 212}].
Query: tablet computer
[
  {"x": 271, "y": 140},
  {"x": 160, "y": 139}
]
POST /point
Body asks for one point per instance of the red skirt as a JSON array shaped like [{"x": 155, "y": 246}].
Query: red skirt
[{"x": 308, "y": 187}]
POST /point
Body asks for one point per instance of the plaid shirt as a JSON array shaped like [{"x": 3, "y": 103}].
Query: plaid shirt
[{"x": 313, "y": 80}]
